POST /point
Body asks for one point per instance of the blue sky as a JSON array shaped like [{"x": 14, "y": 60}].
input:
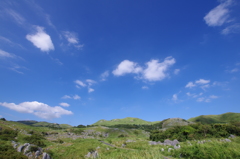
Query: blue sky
[{"x": 77, "y": 62}]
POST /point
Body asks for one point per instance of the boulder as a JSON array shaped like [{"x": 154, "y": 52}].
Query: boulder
[
  {"x": 37, "y": 153},
  {"x": 170, "y": 149},
  {"x": 46, "y": 156},
  {"x": 232, "y": 136},
  {"x": 20, "y": 148},
  {"x": 93, "y": 154}
]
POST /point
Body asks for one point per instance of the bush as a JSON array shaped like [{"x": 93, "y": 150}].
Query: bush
[
  {"x": 8, "y": 152},
  {"x": 7, "y": 134},
  {"x": 35, "y": 139},
  {"x": 195, "y": 131}
]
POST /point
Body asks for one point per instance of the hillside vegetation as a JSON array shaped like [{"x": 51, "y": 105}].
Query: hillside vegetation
[
  {"x": 128, "y": 138},
  {"x": 128, "y": 120},
  {"x": 44, "y": 124},
  {"x": 222, "y": 118}
]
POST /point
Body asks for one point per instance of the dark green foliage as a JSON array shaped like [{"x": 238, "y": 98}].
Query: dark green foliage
[
  {"x": 208, "y": 151},
  {"x": 35, "y": 139},
  {"x": 3, "y": 119},
  {"x": 33, "y": 149},
  {"x": 195, "y": 131},
  {"x": 31, "y": 132},
  {"x": 211, "y": 119},
  {"x": 76, "y": 131},
  {"x": 142, "y": 127},
  {"x": 7, "y": 134},
  {"x": 81, "y": 126},
  {"x": 59, "y": 141},
  {"x": 121, "y": 135},
  {"x": 8, "y": 152}
]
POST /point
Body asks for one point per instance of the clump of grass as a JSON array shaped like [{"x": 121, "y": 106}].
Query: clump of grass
[{"x": 213, "y": 149}]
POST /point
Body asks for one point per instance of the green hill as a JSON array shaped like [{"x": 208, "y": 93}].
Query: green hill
[
  {"x": 44, "y": 124},
  {"x": 127, "y": 120},
  {"x": 222, "y": 118},
  {"x": 171, "y": 122}
]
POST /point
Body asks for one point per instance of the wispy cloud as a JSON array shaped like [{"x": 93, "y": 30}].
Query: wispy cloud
[
  {"x": 39, "y": 109},
  {"x": 72, "y": 39},
  {"x": 235, "y": 28},
  {"x": 153, "y": 70},
  {"x": 90, "y": 90},
  {"x": 16, "y": 16},
  {"x": 71, "y": 97},
  {"x": 76, "y": 97},
  {"x": 104, "y": 75},
  {"x": 219, "y": 15},
  {"x": 41, "y": 39},
  {"x": 201, "y": 82},
  {"x": 175, "y": 97},
  {"x": 190, "y": 85},
  {"x": 207, "y": 99},
  {"x": 176, "y": 71},
  {"x": 145, "y": 87},
  {"x": 4, "y": 54},
  {"x": 8, "y": 41},
  {"x": 64, "y": 104},
  {"x": 80, "y": 83},
  {"x": 88, "y": 83}
]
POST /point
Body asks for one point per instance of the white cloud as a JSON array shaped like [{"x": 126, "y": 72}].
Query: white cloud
[
  {"x": 73, "y": 97},
  {"x": 1, "y": 116},
  {"x": 80, "y": 83},
  {"x": 39, "y": 109},
  {"x": 76, "y": 97},
  {"x": 156, "y": 71},
  {"x": 125, "y": 67},
  {"x": 41, "y": 39},
  {"x": 145, "y": 87},
  {"x": 4, "y": 54},
  {"x": 9, "y": 42},
  {"x": 213, "y": 97},
  {"x": 176, "y": 71},
  {"x": 234, "y": 70},
  {"x": 219, "y": 15},
  {"x": 190, "y": 85},
  {"x": 17, "y": 17},
  {"x": 66, "y": 97},
  {"x": 90, "y": 90},
  {"x": 202, "y": 81},
  {"x": 104, "y": 75},
  {"x": 200, "y": 99},
  {"x": 90, "y": 82},
  {"x": 193, "y": 95},
  {"x": 64, "y": 104},
  {"x": 235, "y": 28},
  {"x": 175, "y": 97},
  {"x": 72, "y": 39}
]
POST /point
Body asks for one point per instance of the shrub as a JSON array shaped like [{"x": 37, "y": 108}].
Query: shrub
[
  {"x": 7, "y": 134},
  {"x": 8, "y": 152},
  {"x": 35, "y": 139}
]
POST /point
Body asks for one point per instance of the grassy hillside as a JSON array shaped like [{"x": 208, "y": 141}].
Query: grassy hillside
[
  {"x": 171, "y": 122},
  {"x": 127, "y": 120},
  {"x": 44, "y": 124},
  {"x": 222, "y": 118}
]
